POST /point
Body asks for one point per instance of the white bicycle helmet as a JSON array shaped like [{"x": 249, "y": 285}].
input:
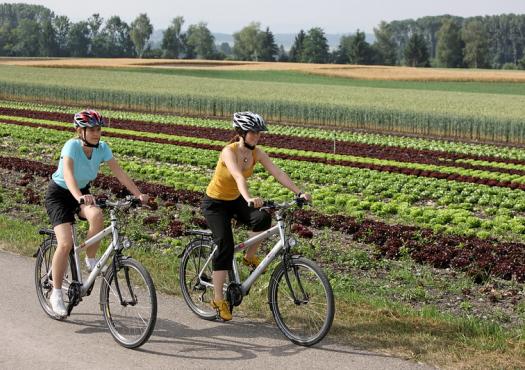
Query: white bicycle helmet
[{"x": 249, "y": 121}]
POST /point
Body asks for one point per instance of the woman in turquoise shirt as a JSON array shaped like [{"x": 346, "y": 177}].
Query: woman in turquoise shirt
[{"x": 79, "y": 163}]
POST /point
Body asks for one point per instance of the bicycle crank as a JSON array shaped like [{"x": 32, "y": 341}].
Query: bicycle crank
[
  {"x": 234, "y": 294},
  {"x": 74, "y": 295}
]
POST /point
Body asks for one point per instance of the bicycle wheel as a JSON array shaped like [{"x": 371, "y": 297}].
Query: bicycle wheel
[
  {"x": 308, "y": 319},
  {"x": 44, "y": 278},
  {"x": 132, "y": 320},
  {"x": 195, "y": 278}
]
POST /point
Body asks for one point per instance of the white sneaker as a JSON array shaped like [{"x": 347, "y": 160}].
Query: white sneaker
[
  {"x": 91, "y": 263},
  {"x": 57, "y": 304}
]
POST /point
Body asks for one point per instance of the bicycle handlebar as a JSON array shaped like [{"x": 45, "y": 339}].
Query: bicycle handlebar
[
  {"x": 128, "y": 202},
  {"x": 270, "y": 204}
]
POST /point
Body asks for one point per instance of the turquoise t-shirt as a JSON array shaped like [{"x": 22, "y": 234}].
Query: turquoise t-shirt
[{"x": 85, "y": 170}]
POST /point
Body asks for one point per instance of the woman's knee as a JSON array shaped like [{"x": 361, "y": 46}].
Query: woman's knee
[
  {"x": 94, "y": 215},
  {"x": 64, "y": 246},
  {"x": 262, "y": 221}
]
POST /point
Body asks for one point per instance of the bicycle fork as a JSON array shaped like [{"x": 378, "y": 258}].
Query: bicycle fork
[
  {"x": 287, "y": 265},
  {"x": 123, "y": 302}
]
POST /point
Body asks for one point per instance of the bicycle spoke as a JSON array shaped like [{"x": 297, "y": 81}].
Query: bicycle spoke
[
  {"x": 307, "y": 320},
  {"x": 130, "y": 324},
  {"x": 195, "y": 276}
]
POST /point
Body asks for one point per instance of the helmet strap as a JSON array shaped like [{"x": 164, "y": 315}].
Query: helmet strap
[
  {"x": 87, "y": 143},
  {"x": 243, "y": 135}
]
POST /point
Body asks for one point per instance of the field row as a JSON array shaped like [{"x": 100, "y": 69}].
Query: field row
[
  {"x": 448, "y": 206},
  {"x": 478, "y": 257},
  {"x": 437, "y": 148},
  {"x": 511, "y": 178},
  {"x": 460, "y": 115}
]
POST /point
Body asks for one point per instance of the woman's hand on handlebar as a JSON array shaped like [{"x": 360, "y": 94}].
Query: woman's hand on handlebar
[
  {"x": 143, "y": 198},
  {"x": 306, "y": 197},
  {"x": 255, "y": 202},
  {"x": 87, "y": 199}
]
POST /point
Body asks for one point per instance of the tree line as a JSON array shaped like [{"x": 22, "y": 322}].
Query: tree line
[{"x": 437, "y": 41}]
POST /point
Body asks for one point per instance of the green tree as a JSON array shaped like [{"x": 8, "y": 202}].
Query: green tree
[
  {"x": 342, "y": 54},
  {"x": 200, "y": 42},
  {"x": 315, "y": 47},
  {"x": 449, "y": 46},
  {"x": 5, "y": 40},
  {"x": 98, "y": 42},
  {"x": 173, "y": 40},
  {"x": 27, "y": 38},
  {"x": 61, "y": 25},
  {"x": 269, "y": 49},
  {"x": 282, "y": 56},
  {"x": 416, "y": 52},
  {"x": 296, "y": 51},
  {"x": 140, "y": 32},
  {"x": 117, "y": 38},
  {"x": 428, "y": 27},
  {"x": 475, "y": 38},
  {"x": 47, "y": 40},
  {"x": 78, "y": 39},
  {"x": 360, "y": 50},
  {"x": 384, "y": 45},
  {"x": 225, "y": 48},
  {"x": 247, "y": 42}
]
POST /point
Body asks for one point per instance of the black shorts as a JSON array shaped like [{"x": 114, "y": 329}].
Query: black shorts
[
  {"x": 61, "y": 205},
  {"x": 219, "y": 213}
]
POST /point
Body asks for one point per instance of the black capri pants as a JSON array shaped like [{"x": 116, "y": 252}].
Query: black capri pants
[{"x": 219, "y": 213}]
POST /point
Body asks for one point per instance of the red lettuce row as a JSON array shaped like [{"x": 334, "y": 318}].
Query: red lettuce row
[{"x": 479, "y": 257}]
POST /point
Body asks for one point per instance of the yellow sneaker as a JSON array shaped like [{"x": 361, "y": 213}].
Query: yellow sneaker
[
  {"x": 252, "y": 262},
  {"x": 223, "y": 309}
]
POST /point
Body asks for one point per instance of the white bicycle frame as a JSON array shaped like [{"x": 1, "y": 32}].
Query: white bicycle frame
[
  {"x": 114, "y": 246},
  {"x": 278, "y": 247}
]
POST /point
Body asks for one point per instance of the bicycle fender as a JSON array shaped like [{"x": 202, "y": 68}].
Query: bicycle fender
[
  {"x": 190, "y": 244},
  {"x": 41, "y": 246}
]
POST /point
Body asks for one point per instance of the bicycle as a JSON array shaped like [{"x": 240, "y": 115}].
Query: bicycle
[
  {"x": 126, "y": 284},
  {"x": 299, "y": 294}
]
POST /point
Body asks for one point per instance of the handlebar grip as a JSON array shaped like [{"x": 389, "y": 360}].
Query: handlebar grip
[
  {"x": 136, "y": 202},
  {"x": 81, "y": 201},
  {"x": 250, "y": 204}
]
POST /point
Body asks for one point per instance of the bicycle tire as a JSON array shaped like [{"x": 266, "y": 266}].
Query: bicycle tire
[
  {"x": 197, "y": 296},
  {"x": 116, "y": 314},
  {"x": 296, "y": 324},
  {"x": 44, "y": 279}
]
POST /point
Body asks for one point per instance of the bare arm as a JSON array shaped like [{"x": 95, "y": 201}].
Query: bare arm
[
  {"x": 69, "y": 177},
  {"x": 279, "y": 174},
  {"x": 123, "y": 177}
]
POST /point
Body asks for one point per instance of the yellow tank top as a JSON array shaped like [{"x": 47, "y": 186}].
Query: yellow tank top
[{"x": 223, "y": 185}]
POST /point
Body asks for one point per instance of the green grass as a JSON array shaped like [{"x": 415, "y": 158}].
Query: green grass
[{"x": 18, "y": 236}]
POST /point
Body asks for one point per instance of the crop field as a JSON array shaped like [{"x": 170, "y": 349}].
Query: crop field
[
  {"x": 360, "y": 72},
  {"x": 402, "y": 216},
  {"x": 489, "y": 112}
]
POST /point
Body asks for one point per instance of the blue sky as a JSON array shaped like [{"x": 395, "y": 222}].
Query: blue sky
[{"x": 282, "y": 16}]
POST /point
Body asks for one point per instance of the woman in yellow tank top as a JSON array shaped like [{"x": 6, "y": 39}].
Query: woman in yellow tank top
[{"x": 227, "y": 196}]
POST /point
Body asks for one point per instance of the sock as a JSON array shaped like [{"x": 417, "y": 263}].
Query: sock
[{"x": 57, "y": 292}]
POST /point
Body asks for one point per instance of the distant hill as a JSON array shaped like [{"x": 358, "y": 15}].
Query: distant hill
[{"x": 285, "y": 39}]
